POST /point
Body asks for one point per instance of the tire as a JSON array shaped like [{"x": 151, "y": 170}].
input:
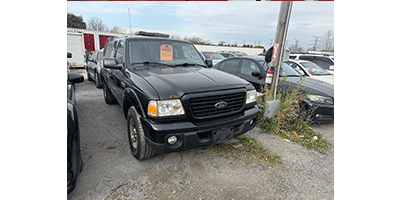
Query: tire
[
  {"x": 136, "y": 137},
  {"x": 108, "y": 98},
  {"x": 88, "y": 75}
]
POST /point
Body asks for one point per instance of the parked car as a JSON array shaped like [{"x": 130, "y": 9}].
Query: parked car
[
  {"x": 310, "y": 69},
  {"x": 93, "y": 68},
  {"x": 232, "y": 54},
  {"x": 214, "y": 56},
  {"x": 171, "y": 97},
  {"x": 317, "y": 94},
  {"x": 324, "y": 61},
  {"x": 74, "y": 159}
]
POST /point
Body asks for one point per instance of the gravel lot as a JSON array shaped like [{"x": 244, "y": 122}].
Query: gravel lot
[{"x": 111, "y": 172}]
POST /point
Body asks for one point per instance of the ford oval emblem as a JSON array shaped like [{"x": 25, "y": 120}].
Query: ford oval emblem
[{"x": 221, "y": 105}]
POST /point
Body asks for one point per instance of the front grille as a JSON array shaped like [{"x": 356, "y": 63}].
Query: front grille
[{"x": 204, "y": 106}]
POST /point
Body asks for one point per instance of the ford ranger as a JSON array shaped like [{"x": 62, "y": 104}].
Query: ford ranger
[{"x": 171, "y": 97}]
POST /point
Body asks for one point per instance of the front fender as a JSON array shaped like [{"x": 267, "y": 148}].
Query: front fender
[{"x": 130, "y": 98}]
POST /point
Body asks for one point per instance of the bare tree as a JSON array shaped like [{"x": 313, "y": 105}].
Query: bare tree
[
  {"x": 194, "y": 40},
  {"x": 174, "y": 36},
  {"x": 117, "y": 29},
  {"x": 96, "y": 24},
  {"x": 327, "y": 41},
  {"x": 221, "y": 43}
]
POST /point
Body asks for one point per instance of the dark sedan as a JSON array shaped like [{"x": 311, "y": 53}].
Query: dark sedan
[
  {"x": 93, "y": 68},
  {"x": 74, "y": 160},
  {"x": 318, "y": 95}
]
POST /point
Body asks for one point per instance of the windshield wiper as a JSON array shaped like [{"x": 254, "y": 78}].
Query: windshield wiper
[
  {"x": 292, "y": 75},
  {"x": 150, "y": 63},
  {"x": 188, "y": 64}
]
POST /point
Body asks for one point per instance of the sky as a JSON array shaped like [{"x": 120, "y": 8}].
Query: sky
[{"x": 249, "y": 22}]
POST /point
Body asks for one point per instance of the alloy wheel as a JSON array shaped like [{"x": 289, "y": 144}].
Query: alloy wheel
[{"x": 133, "y": 133}]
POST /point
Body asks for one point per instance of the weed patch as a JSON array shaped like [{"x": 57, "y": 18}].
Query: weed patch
[
  {"x": 292, "y": 122},
  {"x": 249, "y": 149}
]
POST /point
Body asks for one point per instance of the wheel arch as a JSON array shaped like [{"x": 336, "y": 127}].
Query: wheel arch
[{"x": 131, "y": 99}]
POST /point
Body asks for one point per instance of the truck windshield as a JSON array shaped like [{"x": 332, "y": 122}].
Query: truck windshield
[{"x": 163, "y": 51}]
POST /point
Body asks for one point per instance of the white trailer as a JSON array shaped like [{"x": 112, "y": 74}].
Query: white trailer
[{"x": 76, "y": 46}]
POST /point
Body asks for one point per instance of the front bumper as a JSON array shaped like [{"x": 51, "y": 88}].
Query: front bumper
[
  {"x": 194, "y": 134},
  {"x": 322, "y": 113}
]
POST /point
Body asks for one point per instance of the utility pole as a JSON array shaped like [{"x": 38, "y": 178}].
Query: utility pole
[
  {"x": 129, "y": 15},
  {"x": 297, "y": 42},
  {"x": 280, "y": 38},
  {"x": 316, "y": 41}
]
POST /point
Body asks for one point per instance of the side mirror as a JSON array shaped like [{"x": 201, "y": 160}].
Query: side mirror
[
  {"x": 268, "y": 55},
  {"x": 69, "y": 55},
  {"x": 111, "y": 63},
  {"x": 258, "y": 75},
  {"x": 75, "y": 78},
  {"x": 209, "y": 63},
  {"x": 331, "y": 67}
]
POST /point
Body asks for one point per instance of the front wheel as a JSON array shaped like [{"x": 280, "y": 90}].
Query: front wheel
[{"x": 137, "y": 140}]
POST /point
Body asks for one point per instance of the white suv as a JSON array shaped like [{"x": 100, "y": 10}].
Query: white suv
[{"x": 325, "y": 62}]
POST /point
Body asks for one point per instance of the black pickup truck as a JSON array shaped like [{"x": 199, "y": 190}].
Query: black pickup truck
[{"x": 171, "y": 97}]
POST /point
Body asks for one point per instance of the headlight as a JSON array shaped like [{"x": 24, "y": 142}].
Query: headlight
[
  {"x": 320, "y": 99},
  {"x": 164, "y": 108},
  {"x": 251, "y": 96}
]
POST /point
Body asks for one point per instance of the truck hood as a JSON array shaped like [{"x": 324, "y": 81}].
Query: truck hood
[{"x": 183, "y": 80}]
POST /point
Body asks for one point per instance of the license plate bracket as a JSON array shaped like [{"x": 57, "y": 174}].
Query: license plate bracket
[{"x": 222, "y": 135}]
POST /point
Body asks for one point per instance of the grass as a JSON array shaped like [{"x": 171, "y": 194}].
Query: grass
[
  {"x": 111, "y": 147},
  {"x": 248, "y": 148},
  {"x": 292, "y": 122}
]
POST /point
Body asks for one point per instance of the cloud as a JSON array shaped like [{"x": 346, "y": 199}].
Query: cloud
[{"x": 103, "y": 7}]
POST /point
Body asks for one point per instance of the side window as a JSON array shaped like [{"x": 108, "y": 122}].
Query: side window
[
  {"x": 296, "y": 67},
  {"x": 248, "y": 67},
  {"x": 323, "y": 63},
  {"x": 309, "y": 58},
  {"x": 110, "y": 49},
  {"x": 232, "y": 66},
  {"x": 327, "y": 60},
  {"x": 107, "y": 50},
  {"x": 120, "y": 52},
  {"x": 221, "y": 66}
]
